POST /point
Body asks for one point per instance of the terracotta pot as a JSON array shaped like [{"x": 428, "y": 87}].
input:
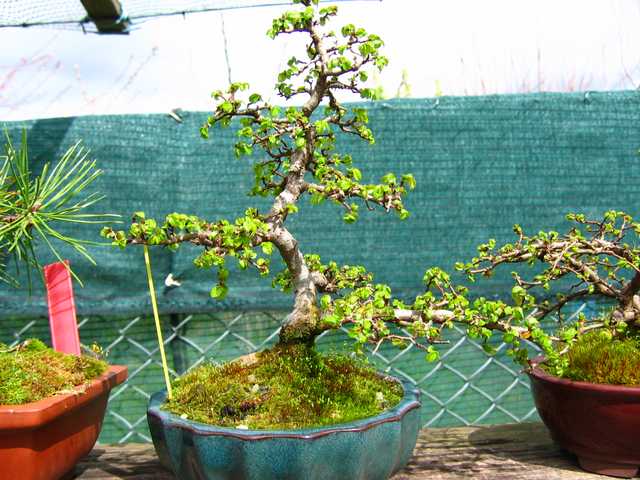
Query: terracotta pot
[
  {"x": 45, "y": 440},
  {"x": 372, "y": 449},
  {"x": 599, "y": 423}
]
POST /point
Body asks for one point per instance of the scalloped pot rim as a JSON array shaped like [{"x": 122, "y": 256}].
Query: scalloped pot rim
[{"x": 410, "y": 400}]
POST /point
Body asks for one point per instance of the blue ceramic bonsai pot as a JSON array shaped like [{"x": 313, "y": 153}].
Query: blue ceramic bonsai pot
[{"x": 372, "y": 449}]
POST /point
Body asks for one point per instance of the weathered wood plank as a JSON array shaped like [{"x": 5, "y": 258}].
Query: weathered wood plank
[
  {"x": 133, "y": 461},
  {"x": 492, "y": 452}
]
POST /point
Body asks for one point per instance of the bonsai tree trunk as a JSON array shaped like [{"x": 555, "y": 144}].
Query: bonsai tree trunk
[
  {"x": 302, "y": 325},
  {"x": 629, "y": 301}
]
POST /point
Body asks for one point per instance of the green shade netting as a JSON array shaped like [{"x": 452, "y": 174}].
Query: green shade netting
[{"x": 482, "y": 164}]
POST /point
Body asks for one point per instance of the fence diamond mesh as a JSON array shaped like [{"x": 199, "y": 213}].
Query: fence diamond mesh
[{"x": 465, "y": 387}]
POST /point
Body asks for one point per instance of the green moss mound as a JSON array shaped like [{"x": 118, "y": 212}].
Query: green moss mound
[
  {"x": 32, "y": 371},
  {"x": 284, "y": 388},
  {"x": 595, "y": 358}
]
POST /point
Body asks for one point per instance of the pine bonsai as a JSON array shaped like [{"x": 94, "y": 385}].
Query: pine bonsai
[{"x": 33, "y": 206}]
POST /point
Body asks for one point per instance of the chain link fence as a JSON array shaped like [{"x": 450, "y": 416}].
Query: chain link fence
[{"x": 465, "y": 387}]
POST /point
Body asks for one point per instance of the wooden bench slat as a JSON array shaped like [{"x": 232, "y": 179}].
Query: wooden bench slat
[{"x": 490, "y": 452}]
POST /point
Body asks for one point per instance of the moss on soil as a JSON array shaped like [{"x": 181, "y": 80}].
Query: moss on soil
[
  {"x": 286, "y": 388},
  {"x": 31, "y": 372},
  {"x": 600, "y": 360}
]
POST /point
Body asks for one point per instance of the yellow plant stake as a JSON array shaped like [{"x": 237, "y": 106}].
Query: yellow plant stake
[{"x": 157, "y": 317}]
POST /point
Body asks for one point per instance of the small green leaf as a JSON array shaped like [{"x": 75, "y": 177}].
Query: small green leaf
[
  {"x": 433, "y": 354},
  {"x": 219, "y": 292},
  {"x": 489, "y": 349},
  {"x": 226, "y": 107},
  {"x": 409, "y": 181},
  {"x": 274, "y": 111},
  {"x": 267, "y": 248},
  {"x": 332, "y": 321},
  {"x": 325, "y": 301},
  {"x": 518, "y": 294},
  {"x": 223, "y": 273},
  {"x": 350, "y": 217},
  {"x": 378, "y": 191},
  {"x": 389, "y": 178}
]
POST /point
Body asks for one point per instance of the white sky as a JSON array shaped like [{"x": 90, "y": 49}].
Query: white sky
[{"x": 457, "y": 46}]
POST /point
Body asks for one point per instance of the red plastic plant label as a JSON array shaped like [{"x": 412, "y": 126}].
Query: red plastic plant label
[{"x": 62, "y": 309}]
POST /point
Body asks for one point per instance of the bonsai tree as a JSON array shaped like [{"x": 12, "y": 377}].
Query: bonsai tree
[
  {"x": 593, "y": 259},
  {"x": 299, "y": 159}
]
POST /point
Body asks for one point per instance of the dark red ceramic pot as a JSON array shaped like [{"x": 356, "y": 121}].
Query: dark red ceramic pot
[{"x": 599, "y": 423}]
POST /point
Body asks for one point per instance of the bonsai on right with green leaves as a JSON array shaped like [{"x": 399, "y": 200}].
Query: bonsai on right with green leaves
[
  {"x": 585, "y": 385},
  {"x": 594, "y": 260}
]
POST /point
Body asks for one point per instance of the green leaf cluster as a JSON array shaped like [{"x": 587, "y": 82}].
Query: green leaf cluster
[{"x": 220, "y": 240}]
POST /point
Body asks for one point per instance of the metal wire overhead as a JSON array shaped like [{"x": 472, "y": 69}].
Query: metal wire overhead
[{"x": 109, "y": 16}]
